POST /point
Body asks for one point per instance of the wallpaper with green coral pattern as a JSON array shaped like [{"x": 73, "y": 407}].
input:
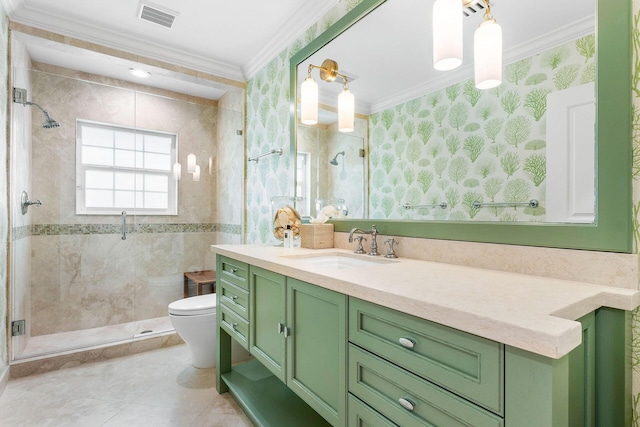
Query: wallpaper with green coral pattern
[
  {"x": 460, "y": 145},
  {"x": 268, "y": 126}
]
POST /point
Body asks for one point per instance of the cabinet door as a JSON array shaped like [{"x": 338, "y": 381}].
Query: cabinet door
[
  {"x": 267, "y": 319},
  {"x": 316, "y": 348}
]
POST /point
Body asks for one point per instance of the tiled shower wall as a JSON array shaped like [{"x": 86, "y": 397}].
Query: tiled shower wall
[
  {"x": 83, "y": 274},
  {"x": 4, "y": 223}
]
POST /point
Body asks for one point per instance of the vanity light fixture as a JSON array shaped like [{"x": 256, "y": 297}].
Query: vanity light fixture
[
  {"x": 191, "y": 163},
  {"x": 447, "y": 34},
  {"x": 487, "y": 51},
  {"x": 309, "y": 97},
  {"x": 196, "y": 173},
  {"x": 447, "y": 41},
  {"x": 177, "y": 171}
]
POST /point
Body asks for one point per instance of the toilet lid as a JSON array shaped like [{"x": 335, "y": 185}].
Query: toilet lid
[{"x": 202, "y": 304}]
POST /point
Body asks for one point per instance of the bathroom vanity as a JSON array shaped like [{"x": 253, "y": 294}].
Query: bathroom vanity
[{"x": 342, "y": 339}]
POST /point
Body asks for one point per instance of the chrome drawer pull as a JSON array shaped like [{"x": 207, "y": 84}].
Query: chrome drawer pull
[
  {"x": 234, "y": 326},
  {"x": 407, "y": 342},
  {"x": 234, "y": 297},
  {"x": 406, "y": 404},
  {"x": 234, "y": 270},
  {"x": 280, "y": 327}
]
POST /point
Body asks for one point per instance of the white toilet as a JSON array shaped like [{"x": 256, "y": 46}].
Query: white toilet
[{"x": 194, "y": 319}]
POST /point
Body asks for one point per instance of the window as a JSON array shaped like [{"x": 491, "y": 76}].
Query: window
[{"x": 119, "y": 168}]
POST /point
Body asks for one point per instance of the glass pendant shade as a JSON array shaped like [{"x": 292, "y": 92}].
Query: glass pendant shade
[
  {"x": 447, "y": 34},
  {"x": 346, "y": 111},
  {"x": 309, "y": 102},
  {"x": 487, "y": 50},
  {"x": 191, "y": 163},
  {"x": 177, "y": 171}
]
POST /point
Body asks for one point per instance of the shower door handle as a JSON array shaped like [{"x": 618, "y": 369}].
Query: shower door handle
[{"x": 124, "y": 225}]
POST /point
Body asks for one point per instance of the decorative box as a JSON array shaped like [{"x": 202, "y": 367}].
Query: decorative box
[{"x": 316, "y": 236}]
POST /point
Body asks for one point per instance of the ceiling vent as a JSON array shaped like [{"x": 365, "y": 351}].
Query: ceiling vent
[
  {"x": 153, "y": 14},
  {"x": 471, "y": 8}
]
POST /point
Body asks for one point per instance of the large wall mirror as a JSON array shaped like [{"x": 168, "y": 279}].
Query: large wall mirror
[{"x": 544, "y": 159}]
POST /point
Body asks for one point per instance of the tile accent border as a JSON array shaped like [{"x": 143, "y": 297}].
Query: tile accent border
[{"x": 25, "y": 231}]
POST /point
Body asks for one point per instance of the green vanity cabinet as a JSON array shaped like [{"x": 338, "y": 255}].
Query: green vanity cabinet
[
  {"x": 298, "y": 331},
  {"x": 324, "y": 358}
]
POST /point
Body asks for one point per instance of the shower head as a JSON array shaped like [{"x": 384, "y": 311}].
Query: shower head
[
  {"x": 20, "y": 97},
  {"x": 334, "y": 161},
  {"x": 48, "y": 123}
]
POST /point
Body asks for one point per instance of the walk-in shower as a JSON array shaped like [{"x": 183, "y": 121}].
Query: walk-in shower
[
  {"x": 75, "y": 284},
  {"x": 20, "y": 97}
]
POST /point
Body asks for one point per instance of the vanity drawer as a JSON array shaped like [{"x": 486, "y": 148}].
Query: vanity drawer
[
  {"x": 234, "y": 271},
  {"x": 407, "y": 399},
  {"x": 468, "y": 365},
  {"x": 235, "y": 298},
  {"x": 235, "y": 326},
  {"x": 361, "y": 415}
]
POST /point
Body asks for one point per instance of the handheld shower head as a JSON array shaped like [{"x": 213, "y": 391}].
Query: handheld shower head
[{"x": 334, "y": 161}]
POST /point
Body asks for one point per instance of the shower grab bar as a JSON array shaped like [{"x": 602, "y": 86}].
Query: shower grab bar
[
  {"x": 533, "y": 203},
  {"x": 442, "y": 205},
  {"x": 124, "y": 225},
  {"x": 257, "y": 158}
]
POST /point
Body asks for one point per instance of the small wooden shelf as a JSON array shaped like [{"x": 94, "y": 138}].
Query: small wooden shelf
[
  {"x": 204, "y": 277},
  {"x": 266, "y": 400}
]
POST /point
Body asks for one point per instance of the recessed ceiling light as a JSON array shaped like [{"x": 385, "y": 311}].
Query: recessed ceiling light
[{"x": 139, "y": 73}]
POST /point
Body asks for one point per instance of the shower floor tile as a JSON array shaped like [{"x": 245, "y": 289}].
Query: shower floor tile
[{"x": 156, "y": 388}]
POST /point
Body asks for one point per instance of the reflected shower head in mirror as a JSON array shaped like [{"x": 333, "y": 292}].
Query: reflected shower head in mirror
[
  {"x": 48, "y": 123},
  {"x": 334, "y": 161}
]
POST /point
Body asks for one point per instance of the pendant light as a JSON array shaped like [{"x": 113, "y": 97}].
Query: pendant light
[
  {"x": 447, "y": 34},
  {"x": 309, "y": 101},
  {"x": 346, "y": 110},
  {"x": 487, "y": 52}
]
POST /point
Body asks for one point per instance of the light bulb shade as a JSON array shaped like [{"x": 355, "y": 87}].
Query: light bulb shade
[
  {"x": 309, "y": 102},
  {"x": 177, "y": 171},
  {"x": 346, "y": 111},
  {"x": 196, "y": 173},
  {"x": 487, "y": 48},
  {"x": 447, "y": 34},
  {"x": 191, "y": 163}
]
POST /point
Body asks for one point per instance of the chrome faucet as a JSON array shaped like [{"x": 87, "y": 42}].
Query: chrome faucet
[{"x": 373, "y": 232}]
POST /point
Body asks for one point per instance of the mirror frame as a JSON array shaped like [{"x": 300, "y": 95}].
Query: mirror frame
[{"x": 612, "y": 231}]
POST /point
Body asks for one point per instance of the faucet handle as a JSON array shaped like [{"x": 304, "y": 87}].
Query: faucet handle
[
  {"x": 360, "y": 249},
  {"x": 391, "y": 254}
]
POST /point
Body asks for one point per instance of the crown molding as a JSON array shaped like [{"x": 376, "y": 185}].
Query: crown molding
[
  {"x": 286, "y": 35},
  {"x": 111, "y": 39}
]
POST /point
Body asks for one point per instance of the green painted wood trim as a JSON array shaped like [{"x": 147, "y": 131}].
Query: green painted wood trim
[
  {"x": 582, "y": 375},
  {"x": 317, "y": 348},
  {"x": 536, "y": 390},
  {"x": 266, "y": 400},
  {"x": 223, "y": 344},
  {"x": 613, "y": 230},
  {"x": 267, "y": 308},
  {"x": 613, "y": 368}
]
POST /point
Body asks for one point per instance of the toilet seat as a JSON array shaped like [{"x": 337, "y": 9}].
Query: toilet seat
[{"x": 192, "y": 306}]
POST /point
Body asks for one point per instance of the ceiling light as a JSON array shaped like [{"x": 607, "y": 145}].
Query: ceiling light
[{"x": 139, "y": 73}]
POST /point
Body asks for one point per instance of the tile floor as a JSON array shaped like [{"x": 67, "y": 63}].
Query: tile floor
[{"x": 156, "y": 388}]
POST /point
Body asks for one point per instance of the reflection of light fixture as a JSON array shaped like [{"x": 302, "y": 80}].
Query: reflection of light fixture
[
  {"x": 177, "y": 171},
  {"x": 139, "y": 73},
  {"x": 487, "y": 49},
  {"x": 191, "y": 163},
  {"x": 447, "y": 34},
  {"x": 196, "y": 173},
  {"x": 309, "y": 97}
]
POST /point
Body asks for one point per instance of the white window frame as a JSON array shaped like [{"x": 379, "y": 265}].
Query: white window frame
[{"x": 172, "y": 195}]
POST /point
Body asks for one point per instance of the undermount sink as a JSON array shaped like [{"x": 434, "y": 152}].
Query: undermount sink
[{"x": 338, "y": 260}]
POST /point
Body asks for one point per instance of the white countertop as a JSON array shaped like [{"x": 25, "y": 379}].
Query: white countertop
[{"x": 532, "y": 313}]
